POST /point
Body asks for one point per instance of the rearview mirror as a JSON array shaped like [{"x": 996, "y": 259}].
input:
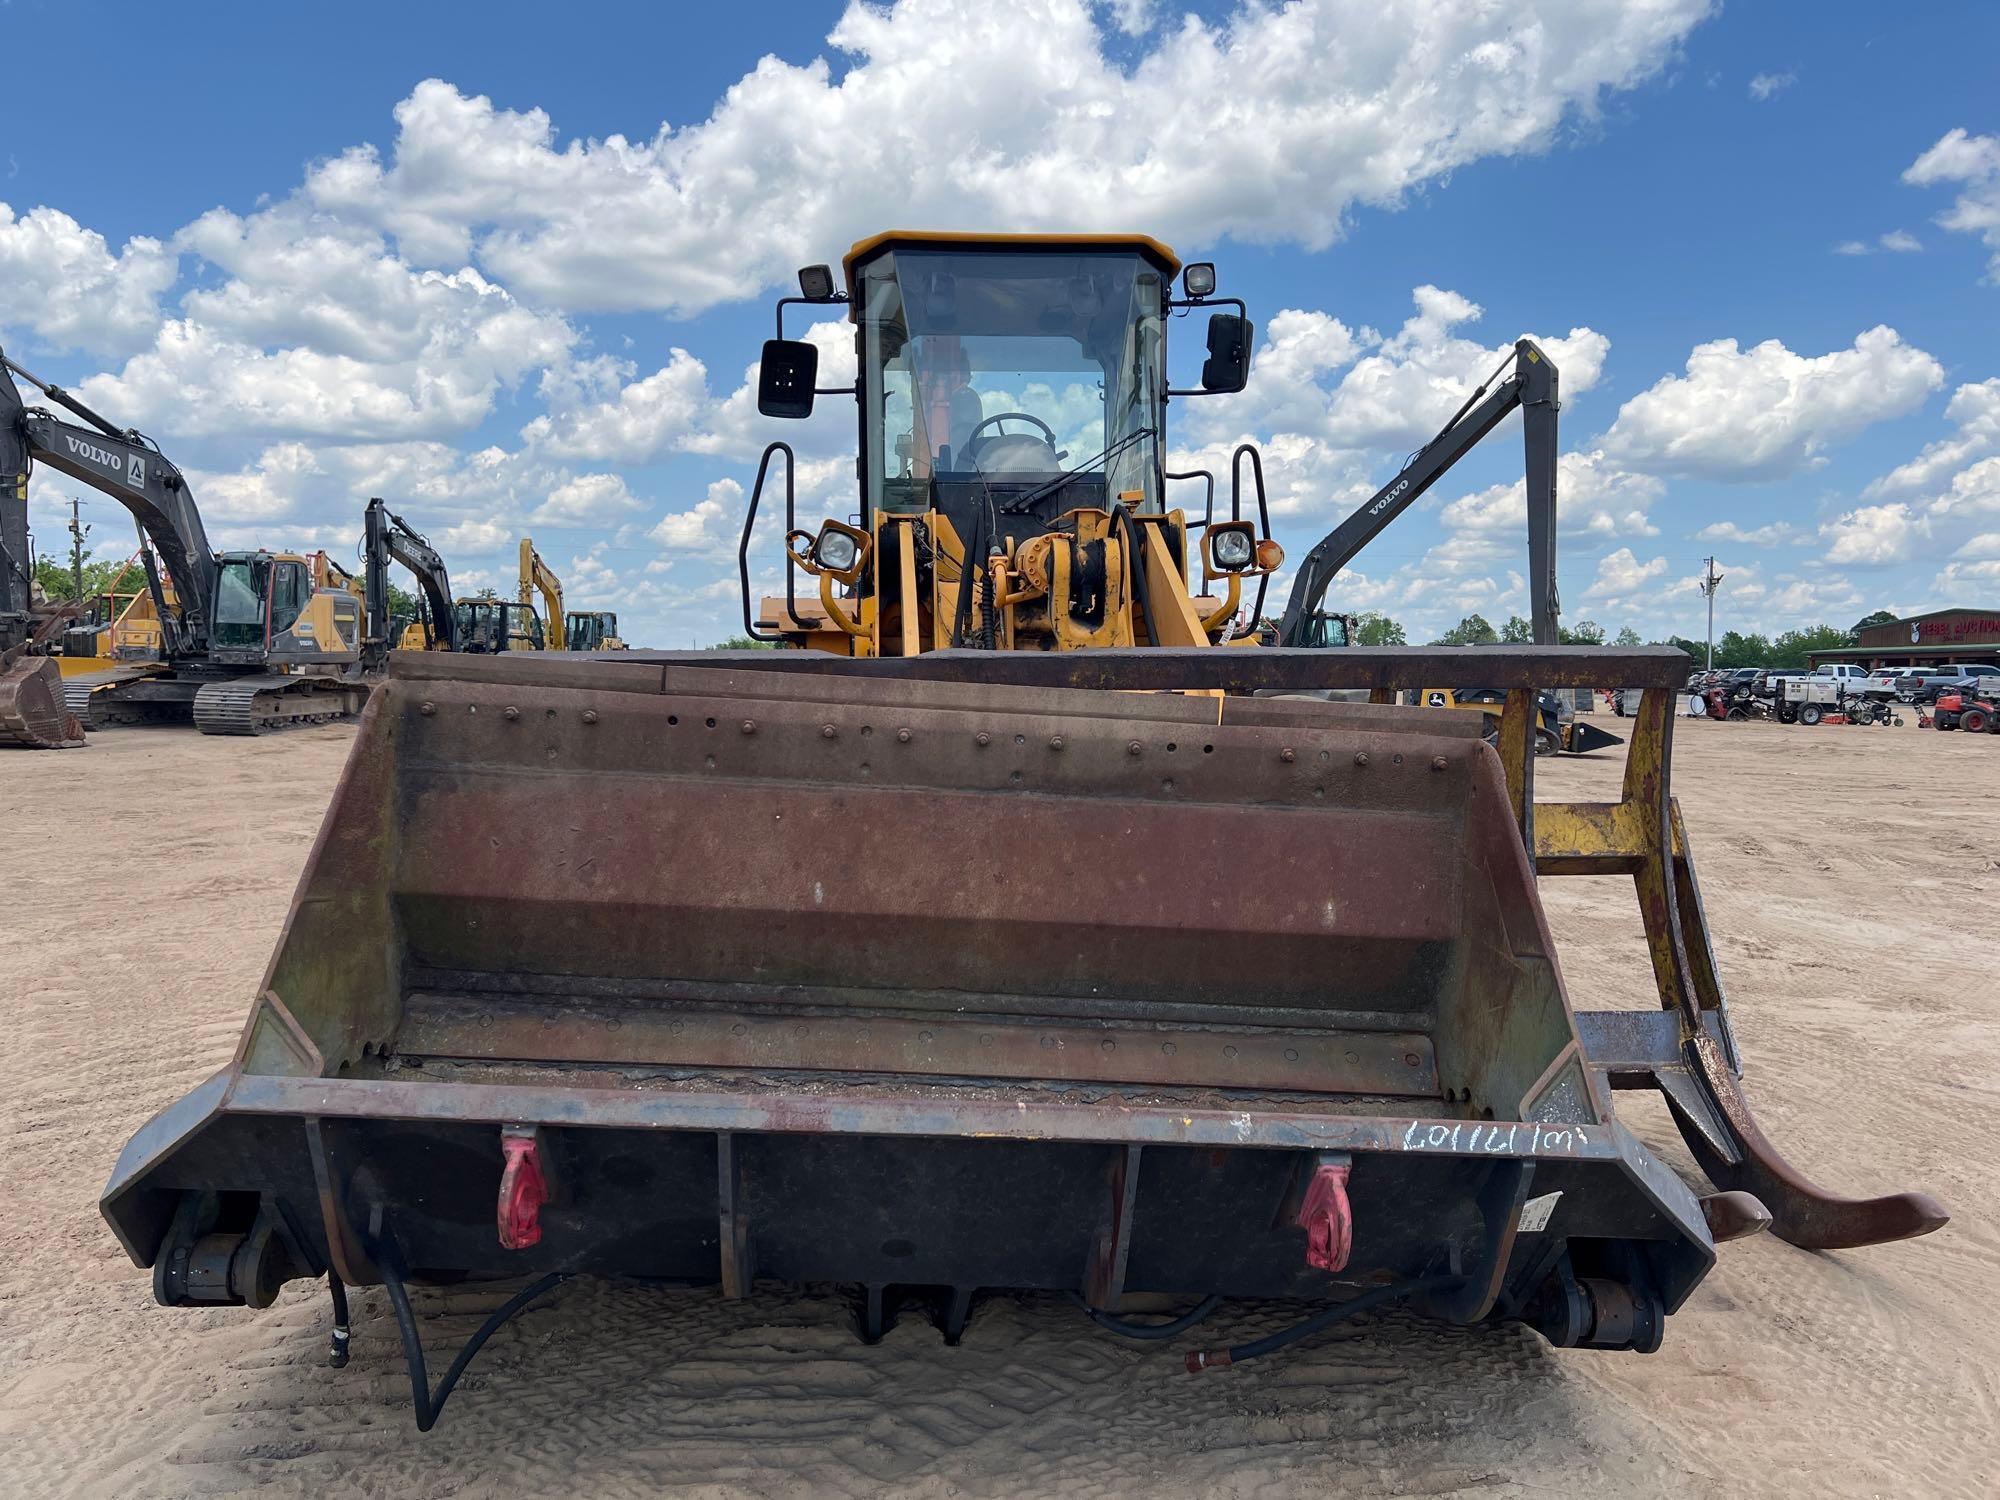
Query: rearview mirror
[
  {"x": 1227, "y": 367},
  {"x": 786, "y": 377}
]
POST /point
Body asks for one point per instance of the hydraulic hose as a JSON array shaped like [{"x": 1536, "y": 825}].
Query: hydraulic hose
[
  {"x": 429, "y": 1403},
  {"x": 1137, "y": 562},
  {"x": 1216, "y": 1359},
  {"x": 1165, "y": 1330}
]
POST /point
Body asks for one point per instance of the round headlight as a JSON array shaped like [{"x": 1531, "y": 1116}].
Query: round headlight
[
  {"x": 835, "y": 551},
  {"x": 1232, "y": 549}
]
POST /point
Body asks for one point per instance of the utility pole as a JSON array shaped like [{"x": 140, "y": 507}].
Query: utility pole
[
  {"x": 1710, "y": 582},
  {"x": 77, "y": 532}
]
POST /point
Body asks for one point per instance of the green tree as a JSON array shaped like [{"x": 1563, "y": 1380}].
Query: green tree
[
  {"x": 1471, "y": 631},
  {"x": 1373, "y": 628},
  {"x": 1583, "y": 633},
  {"x": 1738, "y": 649},
  {"x": 100, "y": 575},
  {"x": 1517, "y": 630},
  {"x": 1867, "y": 622},
  {"x": 1626, "y": 637},
  {"x": 1790, "y": 648},
  {"x": 1694, "y": 649},
  {"x": 741, "y": 643}
]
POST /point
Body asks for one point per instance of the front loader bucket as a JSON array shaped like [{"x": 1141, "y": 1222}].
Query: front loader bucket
[{"x": 712, "y": 968}]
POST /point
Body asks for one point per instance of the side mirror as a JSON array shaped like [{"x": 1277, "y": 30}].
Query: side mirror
[
  {"x": 786, "y": 377},
  {"x": 1227, "y": 367}
]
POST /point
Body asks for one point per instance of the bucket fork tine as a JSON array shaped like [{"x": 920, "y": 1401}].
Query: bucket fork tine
[{"x": 1802, "y": 1213}]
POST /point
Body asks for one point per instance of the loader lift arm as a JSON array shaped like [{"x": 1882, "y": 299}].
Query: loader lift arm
[
  {"x": 536, "y": 574},
  {"x": 126, "y": 465},
  {"x": 1532, "y": 386},
  {"x": 386, "y": 537}
]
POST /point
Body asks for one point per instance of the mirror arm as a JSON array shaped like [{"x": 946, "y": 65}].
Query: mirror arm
[{"x": 785, "y": 302}]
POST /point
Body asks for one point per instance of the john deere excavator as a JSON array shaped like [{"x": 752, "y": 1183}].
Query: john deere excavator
[
  {"x": 1003, "y": 936},
  {"x": 385, "y": 538},
  {"x": 249, "y": 640}
]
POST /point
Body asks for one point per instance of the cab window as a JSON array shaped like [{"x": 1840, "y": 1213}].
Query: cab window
[{"x": 288, "y": 596}]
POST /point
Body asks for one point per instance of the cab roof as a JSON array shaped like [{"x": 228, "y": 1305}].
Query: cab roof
[{"x": 930, "y": 239}]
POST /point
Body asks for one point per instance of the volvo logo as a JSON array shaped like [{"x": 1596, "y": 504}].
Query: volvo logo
[
  {"x": 1394, "y": 490},
  {"x": 103, "y": 457},
  {"x": 132, "y": 469}
]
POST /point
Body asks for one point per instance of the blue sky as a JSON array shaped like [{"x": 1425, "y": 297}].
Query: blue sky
[{"x": 394, "y": 251}]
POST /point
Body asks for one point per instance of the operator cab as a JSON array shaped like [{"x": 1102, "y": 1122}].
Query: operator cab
[
  {"x": 589, "y": 629},
  {"x": 495, "y": 625},
  {"x": 1027, "y": 377},
  {"x": 282, "y": 608}
]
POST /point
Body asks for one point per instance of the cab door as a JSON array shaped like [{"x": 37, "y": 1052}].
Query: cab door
[{"x": 309, "y": 625}]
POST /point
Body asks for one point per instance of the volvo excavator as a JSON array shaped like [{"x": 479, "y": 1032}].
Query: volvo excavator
[
  {"x": 250, "y": 641},
  {"x": 997, "y": 931}
]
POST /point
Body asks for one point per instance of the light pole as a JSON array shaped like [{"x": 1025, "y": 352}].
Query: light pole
[{"x": 1710, "y": 582}]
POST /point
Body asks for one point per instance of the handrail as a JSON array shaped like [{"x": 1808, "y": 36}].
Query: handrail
[
  {"x": 1263, "y": 511},
  {"x": 791, "y": 525}
]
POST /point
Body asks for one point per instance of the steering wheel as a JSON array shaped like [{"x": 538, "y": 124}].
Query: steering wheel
[{"x": 973, "y": 439}]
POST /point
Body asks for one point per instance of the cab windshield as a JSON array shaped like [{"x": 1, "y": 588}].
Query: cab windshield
[
  {"x": 239, "y": 601},
  {"x": 996, "y": 373}
]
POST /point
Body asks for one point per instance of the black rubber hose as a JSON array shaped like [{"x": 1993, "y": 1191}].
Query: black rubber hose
[
  {"x": 1206, "y": 1359},
  {"x": 428, "y": 1403},
  {"x": 1166, "y": 1330},
  {"x": 1134, "y": 555}
]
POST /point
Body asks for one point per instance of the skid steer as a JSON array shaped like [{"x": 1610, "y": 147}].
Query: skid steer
[{"x": 1010, "y": 928}]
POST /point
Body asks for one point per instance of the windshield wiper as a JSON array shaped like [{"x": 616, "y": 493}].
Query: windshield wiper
[{"x": 1021, "y": 504}]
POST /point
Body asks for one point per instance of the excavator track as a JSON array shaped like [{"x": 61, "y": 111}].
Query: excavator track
[
  {"x": 94, "y": 700},
  {"x": 257, "y": 705}
]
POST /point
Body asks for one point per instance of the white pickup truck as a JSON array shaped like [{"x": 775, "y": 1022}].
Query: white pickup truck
[{"x": 1891, "y": 682}]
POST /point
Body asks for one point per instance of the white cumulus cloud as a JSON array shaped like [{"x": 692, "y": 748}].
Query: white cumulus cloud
[
  {"x": 63, "y": 283},
  {"x": 1766, "y": 412},
  {"x": 1305, "y": 111},
  {"x": 1973, "y": 162}
]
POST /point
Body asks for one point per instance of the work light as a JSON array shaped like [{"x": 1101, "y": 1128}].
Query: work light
[
  {"x": 1198, "y": 280},
  {"x": 1231, "y": 548},
  {"x": 816, "y": 283},
  {"x": 836, "y": 551}
]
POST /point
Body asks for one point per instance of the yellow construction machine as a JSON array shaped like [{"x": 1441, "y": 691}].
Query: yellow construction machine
[
  {"x": 538, "y": 576},
  {"x": 1008, "y": 936},
  {"x": 569, "y": 629}
]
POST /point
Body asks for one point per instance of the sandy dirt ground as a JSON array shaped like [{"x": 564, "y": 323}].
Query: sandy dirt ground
[{"x": 1851, "y": 875}]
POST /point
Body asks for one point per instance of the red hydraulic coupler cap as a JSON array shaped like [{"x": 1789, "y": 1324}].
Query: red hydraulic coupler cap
[
  {"x": 523, "y": 1191},
  {"x": 1327, "y": 1220}
]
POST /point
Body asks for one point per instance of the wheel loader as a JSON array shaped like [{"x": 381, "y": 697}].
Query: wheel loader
[{"x": 1008, "y": 928}]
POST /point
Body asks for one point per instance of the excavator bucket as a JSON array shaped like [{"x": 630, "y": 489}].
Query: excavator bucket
[
  {"x": 971, "y": 970},
  {"x": 32, "y": 711}
]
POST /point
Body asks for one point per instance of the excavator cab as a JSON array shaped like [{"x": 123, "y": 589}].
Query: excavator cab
[
  {"x": 1011, "y": 405},
  {"x": 284, "y": 609},
  {"x": 494, "y": 625},
  {"x": 591, "y": 630}
]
